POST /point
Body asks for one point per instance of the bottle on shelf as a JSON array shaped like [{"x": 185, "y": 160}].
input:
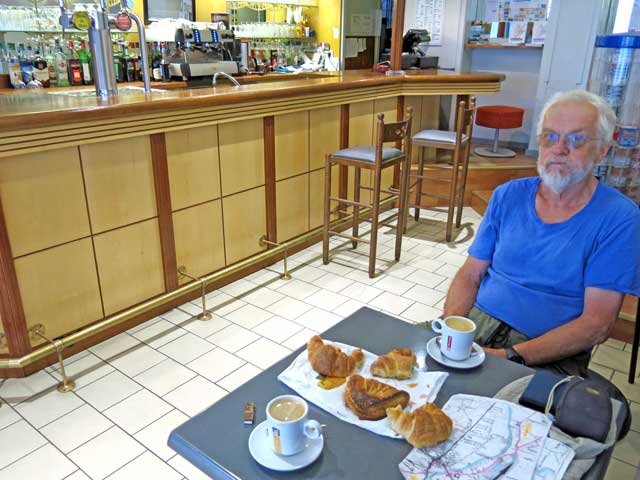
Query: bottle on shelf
[
  {"x": 74, "y": 66},
  {"x": 4, "y": 61},
  {"x": 40, "y": 69},
  {"x": 138, "y": 62},
  {"x": 51, "y": 66},
  {"x": 156, "y": 60},
  {"x": 13, "y": 64},
  {"x": 120, "y": 63},
  {"x": 62, "y": 74},
  {"x": 26, "y": 64},
  {"x": 130, "y": 63},
  {"x": 165, "y": 61},
  {"x": 85, "y": 62}
]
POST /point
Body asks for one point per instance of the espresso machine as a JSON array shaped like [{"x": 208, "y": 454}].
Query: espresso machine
[{"x": 197, "y": 49}]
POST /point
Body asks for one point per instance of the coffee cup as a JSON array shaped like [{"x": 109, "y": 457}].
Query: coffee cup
[
  {"x": 287, "y": 424},
  {"x": 457, "y": 336}
]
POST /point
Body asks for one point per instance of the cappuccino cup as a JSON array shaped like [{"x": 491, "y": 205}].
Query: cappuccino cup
[
  {"x": 288, "y": 426},
  {"x": 457, "y": 336}
]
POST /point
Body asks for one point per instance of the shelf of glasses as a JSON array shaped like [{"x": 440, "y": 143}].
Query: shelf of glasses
[
  {"x": 59, "y": 31},
  {"x": 267, "y": 38}
]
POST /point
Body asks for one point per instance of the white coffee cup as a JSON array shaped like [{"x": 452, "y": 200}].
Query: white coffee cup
[
  {"x": 457, "y": 336},
  {"x": 287, "y": 424}
]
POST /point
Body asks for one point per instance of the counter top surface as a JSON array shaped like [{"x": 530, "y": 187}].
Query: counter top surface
[{"x": 24, "y": 108}]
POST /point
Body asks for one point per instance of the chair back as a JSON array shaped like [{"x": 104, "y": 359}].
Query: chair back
[
  {"x": 397, "y": 132},
  {"x": 465, "y": 116}
]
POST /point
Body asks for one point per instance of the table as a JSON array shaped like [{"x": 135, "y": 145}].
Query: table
[{"x": 216, "y": 441}]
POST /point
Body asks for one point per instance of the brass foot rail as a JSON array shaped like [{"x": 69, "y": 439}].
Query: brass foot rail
[
  {"x": 263, "y": 241},
  {"x": 67, "y": 385},
  {"x": 206, "y": 314}
]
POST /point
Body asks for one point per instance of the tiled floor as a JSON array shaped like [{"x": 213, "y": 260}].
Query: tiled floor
[{"x": 133, "y": 389}]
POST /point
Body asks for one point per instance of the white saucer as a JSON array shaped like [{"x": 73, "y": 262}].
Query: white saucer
[
  {"x": 265, "y": 456},
  {"x": 473, "y": 361}
]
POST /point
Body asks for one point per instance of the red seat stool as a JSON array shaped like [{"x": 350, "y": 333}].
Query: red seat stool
[{"x": 498, "y": 117}]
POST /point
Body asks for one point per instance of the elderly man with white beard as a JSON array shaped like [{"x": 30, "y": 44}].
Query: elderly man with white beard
[{"x": 555, "y": 254}]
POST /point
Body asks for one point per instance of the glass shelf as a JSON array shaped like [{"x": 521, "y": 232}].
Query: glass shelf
[
  {"x": 60, "y": 31},
  {"x": 300, "y": 39}
]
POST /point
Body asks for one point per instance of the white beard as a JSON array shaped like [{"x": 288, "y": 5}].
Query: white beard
[{"x": 558, "y": 182}]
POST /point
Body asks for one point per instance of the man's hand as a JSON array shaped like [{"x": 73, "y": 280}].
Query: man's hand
[{"x": 496, "y": 352}]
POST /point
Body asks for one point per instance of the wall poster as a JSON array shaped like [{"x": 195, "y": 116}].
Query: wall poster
[{"x": 429, "y": 16}]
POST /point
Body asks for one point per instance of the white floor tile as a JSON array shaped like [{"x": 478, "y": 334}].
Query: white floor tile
[
  {"x": 108, "y": 391},
  {"x": 628, "y": 449},
  {"x": 428, "y": 264},
  {"x": 46, "y": 463},
  {"x": 419, "y": 313},
  {"x": 391, "y": 303},
  {"x": 7, "y": 415},
  {"x": 106, "y": 453},
  {"x": 447, "y": 270},
  {"x": 631, "y": 391},
  {"x": 159, "y": 333},
  {"x": 165, "y": 376},
  {"x": 620, "y": 471},
  {"x": 146, "y": 465},
  {"x": 248, "y": 316},
  {"x": 195, "y": 395},
  {"x": 348, "y": 307},
  {"x": 423, "y": 294},
  {"x": 444, "y": 285},
  {"x": 46, "y": 408},
  {"x": 186, "y": 348},
  {"x": 187, "y": 469},
  {"x": 263, "y": 297},
  {"x": 175, "y": 316},
  {"x": 606, "y": 372},
  {"x": 204, "y": 328},
  {"x": 227, "y": 307},
  {"x": 193, "y": 308},
  {"x": 426, "y": 251},
  {"x": 297, "y": 289},
  {"x": 612, "y": 358},
  {"x": 426, "y": 279},
  {"x": 299, "y": 339},
  {"x": 84, "y": 371},
  {"x": 217, "y": 299},
  {"x": 215, "y": 364},
  {"x": 18, "y": 440},
  {"x": 451, "y": 258},
  {"x": 307, "y": 273},
  {"x": 238, "y": 288},
  {"x": 156, "y": 435},
  {"x": 76, "y": 428},
  {"x": 137, "y": 411},
  {"x": 361, "y": 292},
  {"x": 233, "y": 338},
  {"x": 326, "y": 299},
  {"x": 393, "y": 285},
  {"x": 137, "y": 360},
  {"x": 114, "y": 346},
  {"x": 239, "y": 377},
  {"x": 16, "y": 390},
  {"x": 635, "y": 416},
  {"x": 263, "y": 353},
  {"x": 78, "y": 475},
  {"x": 289, "y": 308},
  {"x": 333, "y": 282},
  {"x": 318, "y": 320},
  {"x": 277, "y": 329},
  {"x": 399, "y": 270},
  {"x": 337, "y": 268},
  {"x": 362, "y": 276},
  {"x": 143, "y": 325}
]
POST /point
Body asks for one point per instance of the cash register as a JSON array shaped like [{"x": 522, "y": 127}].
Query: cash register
[{"x": 413, "y": 55}]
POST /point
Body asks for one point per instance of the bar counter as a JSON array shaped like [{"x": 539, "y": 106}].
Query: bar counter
[{"x": 102, "y": 200}]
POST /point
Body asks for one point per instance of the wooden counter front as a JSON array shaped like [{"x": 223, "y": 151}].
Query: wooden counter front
[{"x": 102, "y": 201}]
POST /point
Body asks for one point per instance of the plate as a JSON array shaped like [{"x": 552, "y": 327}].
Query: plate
[
  {"x": 433, "y": 349},
  {"x": 265, "y": 456}
]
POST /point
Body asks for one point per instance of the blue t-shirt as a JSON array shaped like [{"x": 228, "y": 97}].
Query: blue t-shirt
[{"x": 539, "y": 271}]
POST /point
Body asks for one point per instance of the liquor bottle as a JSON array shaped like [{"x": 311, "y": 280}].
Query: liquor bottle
[
  {"x": 62, "y": 75},
  {"x": 26, "y": 65},
  {"x": 165, "y": 61},
  {"x": 51, "y": 66},
  {"x": 130, "y": 66},
  {"x": 120, "y": 64},
  {"x": 155, "y": 62},
  {"x": 138, "y": 62},
  {"x": 4, "y": 61},
  {"x": 13, "y": 63},
  {"x": 85, "y": 62},
  {"x": 40, "y": 69},
  {"x": 74, "y": 66}
]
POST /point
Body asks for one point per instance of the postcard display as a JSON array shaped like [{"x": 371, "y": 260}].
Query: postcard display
[{"x": 615, "y": 75}]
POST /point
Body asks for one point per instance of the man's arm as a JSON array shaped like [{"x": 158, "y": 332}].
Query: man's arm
[
  {"x": 464, "y": 288},
  {"x": 601, "y": 309}
]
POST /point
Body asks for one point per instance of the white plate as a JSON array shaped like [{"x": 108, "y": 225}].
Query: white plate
[
  {"x": 472, "y": 362},
  {"x": 265, "y": 456}
]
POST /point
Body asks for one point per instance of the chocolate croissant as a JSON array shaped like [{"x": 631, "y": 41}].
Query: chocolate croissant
[
  {"x": 424, "y": 427},
  {"x": 369, "y": 399},
  {"x": 398, "y": 363},
  {"x": 331, "y": 361}
]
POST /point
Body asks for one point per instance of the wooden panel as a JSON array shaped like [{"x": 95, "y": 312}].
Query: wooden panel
[
  {"x": 59, "y": 288},
  {"x": 416, "y": 124},
  {"x": 388, "y": 106},
  {"x": 361, "y": 124},
  {"x": 43, "y": 199},
  {"x": 244, "y": 223},
  {"x": 194, "y": 166},
  {"x": 292, "y": 144},
  {"x": 163, "y": 205},
  {"x": 3, "y": 340},
  {"x": 199, "y": 238},
  {"x": 324, "y": 135},
  {"x": 241, "y": 155},
  {"x": 292, "y": 207},
  {"x": 130, "y": 265},
  {"x": 119, "y": 182},
  {"x": 270, "y": 178},
  {"x": 316, "y": 195}
]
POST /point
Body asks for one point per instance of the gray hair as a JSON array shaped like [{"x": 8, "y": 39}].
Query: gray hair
[{"x": 606, "y": 115}]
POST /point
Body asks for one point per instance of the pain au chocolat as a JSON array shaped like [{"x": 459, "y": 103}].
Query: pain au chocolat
[
  {"x": 331, "y": 361},
  {"x": 369, "y": 398}
]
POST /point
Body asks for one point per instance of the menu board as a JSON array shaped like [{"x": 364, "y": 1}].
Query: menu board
[{"x": 429, "y": 16}]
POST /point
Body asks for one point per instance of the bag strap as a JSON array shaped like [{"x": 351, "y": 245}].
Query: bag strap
[{"x": 547, "y": 408}]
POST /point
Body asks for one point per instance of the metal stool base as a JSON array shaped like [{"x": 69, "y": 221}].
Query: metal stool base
[{"x": 499, "y": 153}]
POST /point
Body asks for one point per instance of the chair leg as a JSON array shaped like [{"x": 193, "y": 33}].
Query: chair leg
[
  {"x": 327, "y": 215},
  {"x": 463, "y": 184},
  {"x": 416, "y": 211},
  {"x": 452, "y": 193},
  {"x": 375, "y": 211},
  {"x": 356, "y": 208},
  {"x": 404, "y": 201}
]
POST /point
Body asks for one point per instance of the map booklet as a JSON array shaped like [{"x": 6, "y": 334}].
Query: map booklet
[{"x": 491, "y": 439}]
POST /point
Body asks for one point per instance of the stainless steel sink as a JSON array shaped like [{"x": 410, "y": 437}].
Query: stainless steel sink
[{"x": 91, "y": 92}]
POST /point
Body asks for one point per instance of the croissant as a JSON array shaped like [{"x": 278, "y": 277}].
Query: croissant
[
  {"x": 398, "y": 363},
  {"x": 424, "y": 427},
  {"x": 369, "y": 398},
  {"x": 331, "y": 361}
]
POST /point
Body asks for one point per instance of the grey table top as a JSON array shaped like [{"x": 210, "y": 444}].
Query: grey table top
[{"x": 216, "y": 440}]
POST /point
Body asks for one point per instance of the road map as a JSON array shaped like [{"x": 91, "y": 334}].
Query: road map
[{"x": 491, "y": 438}]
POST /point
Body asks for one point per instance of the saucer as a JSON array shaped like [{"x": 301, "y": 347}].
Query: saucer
[
  {"x": 473, "y": 361},
  {"x": 265, "y": 456}
]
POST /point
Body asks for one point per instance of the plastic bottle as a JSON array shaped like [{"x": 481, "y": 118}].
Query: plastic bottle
[
  {"x": 26, "y": 64},
  {"x": 62, "y": 75}
]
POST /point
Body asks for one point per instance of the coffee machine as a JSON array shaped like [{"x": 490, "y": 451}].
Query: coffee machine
[{"x": 197, "y": 49}]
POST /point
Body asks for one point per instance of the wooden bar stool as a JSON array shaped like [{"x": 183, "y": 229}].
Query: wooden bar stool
[
  {"x": 459, "y": 141},
  {"x": 374, "y": 158}
]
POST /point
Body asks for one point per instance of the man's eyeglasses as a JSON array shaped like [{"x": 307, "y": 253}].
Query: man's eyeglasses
[{"x": 572, "y": 141}]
